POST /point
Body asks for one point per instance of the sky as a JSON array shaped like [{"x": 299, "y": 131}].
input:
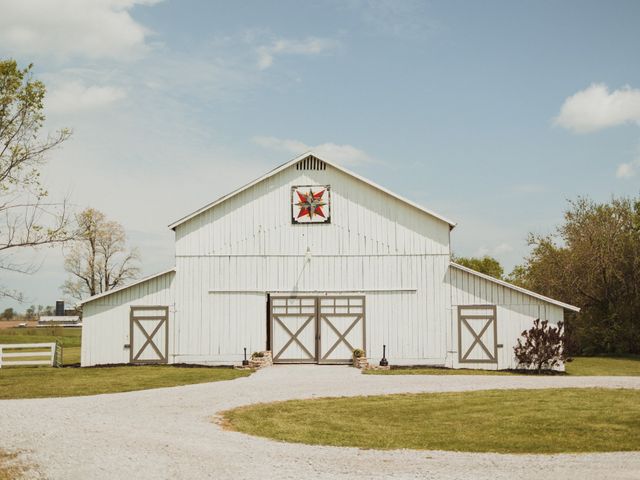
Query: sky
[{"x": 493, "y": 114}]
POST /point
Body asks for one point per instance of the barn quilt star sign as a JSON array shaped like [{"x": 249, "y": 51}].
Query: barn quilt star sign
[{"x": 310, "y": 204}]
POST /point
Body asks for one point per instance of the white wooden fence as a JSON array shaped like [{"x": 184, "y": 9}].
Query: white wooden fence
[{"x": 38, "y": 353}]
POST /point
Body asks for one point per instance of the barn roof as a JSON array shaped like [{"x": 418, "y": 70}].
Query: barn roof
[
  {"x": 124, "y": 287},
  {"x": 291, "y": 163},
  {"x": 515, "y": 287}
]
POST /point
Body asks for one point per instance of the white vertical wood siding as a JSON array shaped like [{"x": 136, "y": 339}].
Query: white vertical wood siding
[
  {"x": 222, "y": 304},
  {"x": 516, "y": 312},
  {"x": 105, "y": 321},
  {"x": 363, "y": 221},
  {"x": 229, "y": 256}
]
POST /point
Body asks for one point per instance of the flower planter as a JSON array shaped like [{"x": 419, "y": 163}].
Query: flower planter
[
  {"x": 360, "y": 362},
  {"x": 258, "y": 362}
]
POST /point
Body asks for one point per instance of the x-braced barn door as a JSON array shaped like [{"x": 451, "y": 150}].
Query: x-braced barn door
[
  {"x": 149, "y": 334},
  {"x": 293, "y": 329},
  {"x": 477, "y": 334},
  {"x": 306, "y": 329},
  {"x": 341, "y": 323}
]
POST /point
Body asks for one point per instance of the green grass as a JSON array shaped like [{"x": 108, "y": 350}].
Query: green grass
[
  {"x": 437, "y": 371},
  {"x": 39, "y": 382},
  {"x": 505, "y": 421},
  {"x": 580, "y": 366},
  {"x": 67, "y": 337},
  {"x": 604, "y": 366}
]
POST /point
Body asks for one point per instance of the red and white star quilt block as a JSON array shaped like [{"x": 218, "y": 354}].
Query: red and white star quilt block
[{"x": 310, "y": 204}]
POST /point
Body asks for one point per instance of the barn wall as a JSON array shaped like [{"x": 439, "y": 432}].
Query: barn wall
[
  {"x": 105, "y": 321},
  {"x": 364, "y": 221},
  {"x": 516, "y": 312},
  {"x": 223, "y": 302},
  {"x": 229, "y": 256}
]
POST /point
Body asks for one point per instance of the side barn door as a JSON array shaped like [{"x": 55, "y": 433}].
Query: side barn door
[
  {"x": 293, "y": 329},
  {"x": 149, "y": 334},
  {"x": 477, "y": 334}
]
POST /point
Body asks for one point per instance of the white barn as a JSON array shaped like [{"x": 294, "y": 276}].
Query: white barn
[{"x": 311, "y": 261}]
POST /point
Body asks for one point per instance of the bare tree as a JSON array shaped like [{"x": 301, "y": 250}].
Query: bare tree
[
  {"x": 26, "y": 218},
  {"x": 99, "y": 259}
]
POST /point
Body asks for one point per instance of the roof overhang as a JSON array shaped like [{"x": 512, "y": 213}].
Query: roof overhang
[
  {"x": 124, "y": 287},
  {"x": 292, "y": 162},
  {"x": 516, "y": 288}
]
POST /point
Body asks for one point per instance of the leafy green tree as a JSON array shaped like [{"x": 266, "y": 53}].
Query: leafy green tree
[
  {"x": 8, "y": 314},
  {"x": 487, "y": 265},
  {"x": 592, "y": 261},
  {"x": 28, "y": 219}
]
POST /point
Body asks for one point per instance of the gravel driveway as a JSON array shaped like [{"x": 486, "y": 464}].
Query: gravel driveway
[{"x": 168, "y": 433}]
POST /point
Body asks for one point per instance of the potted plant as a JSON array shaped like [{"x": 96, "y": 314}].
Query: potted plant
[{"x": 359, "y": 358}]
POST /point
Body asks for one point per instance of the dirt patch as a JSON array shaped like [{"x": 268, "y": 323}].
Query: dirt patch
[
  {"x": 11, "y": 467},
  {"x": 14, "y": 323}
]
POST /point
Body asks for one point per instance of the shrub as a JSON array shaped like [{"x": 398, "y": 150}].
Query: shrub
[
  {"x": 257, "y": 355},
  {"x": 358, "y": 353},
  {"x": 542, "y": 346}
]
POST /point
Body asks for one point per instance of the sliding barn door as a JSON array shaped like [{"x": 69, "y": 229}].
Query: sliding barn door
[
  {"x": 293, "y": 329},
  {"x": 323, "y": 329},
  {"x": 341, "y": 324}
]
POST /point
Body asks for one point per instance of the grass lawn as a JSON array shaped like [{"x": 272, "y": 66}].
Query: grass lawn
[
  {"x": 69, "y": 338},
  {"x": 38, "y": 382},
  {"x": 437, "y": 371},
  {"x": 604, "y": 366},
  {"x": 505, "y": 421},
  {"x": 580, "y": 366}
]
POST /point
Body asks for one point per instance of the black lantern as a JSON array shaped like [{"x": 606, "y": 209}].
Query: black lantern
[
  {"x": 245, "y": 362},
  {"x": 384, "y": 362}
]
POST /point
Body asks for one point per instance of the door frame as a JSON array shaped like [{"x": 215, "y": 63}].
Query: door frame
[
  {"x": 316, "y": 321},
  {"x": 135, "y": 320},
  {"x": 462, "y": 322}
]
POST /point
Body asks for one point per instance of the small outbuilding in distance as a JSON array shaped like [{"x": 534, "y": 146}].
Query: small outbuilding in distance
[{"x": 310, "y": 262}]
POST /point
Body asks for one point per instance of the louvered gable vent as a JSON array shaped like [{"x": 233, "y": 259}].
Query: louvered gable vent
[{"x": 311, "y": 163}]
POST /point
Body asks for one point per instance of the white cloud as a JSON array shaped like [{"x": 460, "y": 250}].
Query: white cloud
[
  {"x": 74, "y": 96},
  {"x": 341, "y": 154},
  {"x": 67, "y": 28},
  {"x": 630, "y": 169},
  {"x": 309, "y": 46},
  {"x": 595, "y": 108}
]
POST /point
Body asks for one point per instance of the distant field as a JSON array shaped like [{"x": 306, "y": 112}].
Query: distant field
[{"x": 69, "y": 338}]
